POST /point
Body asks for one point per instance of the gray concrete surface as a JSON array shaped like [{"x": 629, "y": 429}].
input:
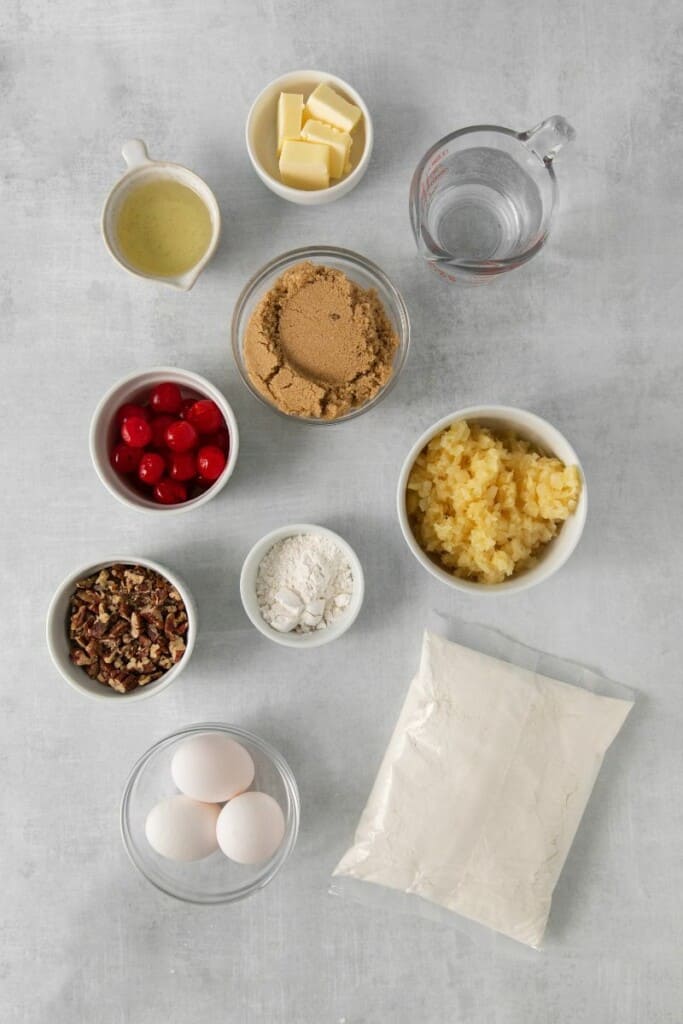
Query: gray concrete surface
[{"x": 588, "y": 336}]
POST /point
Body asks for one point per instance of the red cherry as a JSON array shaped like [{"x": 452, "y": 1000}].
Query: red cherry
[
  {"x": 186, "y": 404},
  {"x": 220, "y": 440},
  {"x": 205, "y": 416},
  {"x": 210, "y": 462},
  {"x": 166, "y": 397},
  {"x": 125, "y": 459},
  {"x": 159, "y": 425},
  {"x": 182, "y": 466},
  {"x": 152, "y": 467},
  {"x": 131, "y": 409},
  {"x": 181, "y": 436},
  {"x": 136, "y": 431},
  {"x": 170, "y": 492}
]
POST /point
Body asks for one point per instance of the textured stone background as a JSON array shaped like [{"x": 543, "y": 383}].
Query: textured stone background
[{"x": 588, "y": 336}]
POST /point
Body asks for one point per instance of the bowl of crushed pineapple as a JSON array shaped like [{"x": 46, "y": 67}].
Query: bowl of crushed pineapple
[{"x": 492, "y": 500}]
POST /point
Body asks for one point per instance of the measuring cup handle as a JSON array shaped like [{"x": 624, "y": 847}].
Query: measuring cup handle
[
  {"x": 547, "y": 138},
  {"x": 135, "y": 153}
]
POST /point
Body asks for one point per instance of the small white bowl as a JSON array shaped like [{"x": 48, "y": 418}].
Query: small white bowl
[
  {"x": 133, "y": 388},
  {"x": 58, "y": 639},
  {"x": 547, "y": 439},
  {"x": 317, "y": 637},
  {"x": 140, "y": 171},
  {"x": 261, "y": 135}
]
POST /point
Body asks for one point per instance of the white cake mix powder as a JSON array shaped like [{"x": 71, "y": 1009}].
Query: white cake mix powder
[
  {"x": 303, "y": 583},
  {"x": 482, "y": 788}
]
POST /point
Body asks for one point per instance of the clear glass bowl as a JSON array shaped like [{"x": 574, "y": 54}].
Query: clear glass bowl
[
  {"x": 216, "y": 879},
  {"x": 358, "y": 269}
]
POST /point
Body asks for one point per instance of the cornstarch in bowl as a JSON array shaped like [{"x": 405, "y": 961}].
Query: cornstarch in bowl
[{"x": 303, "y": 583}]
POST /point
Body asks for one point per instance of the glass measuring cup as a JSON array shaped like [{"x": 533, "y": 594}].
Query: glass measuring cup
[{"x": 482, "y": 198}]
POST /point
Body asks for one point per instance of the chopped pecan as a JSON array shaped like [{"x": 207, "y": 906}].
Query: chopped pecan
[
  {"x": 126, "y": 626},
  {"x": 92, "y": 647},
  {"x": 79, "y": 657},
  {"x": 152, "y": 616},
  {"x": 78, "y": 617},
  {"x": 176, "y": 647}
]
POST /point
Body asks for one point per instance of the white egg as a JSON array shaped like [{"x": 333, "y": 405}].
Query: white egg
[
  {"x": 182, "y": 829},
  {"x": 250, "y": 828},
  {"x": 212, "y": 767}
]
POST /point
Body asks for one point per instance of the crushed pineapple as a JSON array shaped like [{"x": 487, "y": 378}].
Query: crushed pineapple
[{"x": 481, "y": 505}]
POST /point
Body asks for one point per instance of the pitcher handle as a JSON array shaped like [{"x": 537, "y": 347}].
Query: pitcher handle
[
  {"x": 547, "y": 138},
  {"x": 134, "y": 152}
]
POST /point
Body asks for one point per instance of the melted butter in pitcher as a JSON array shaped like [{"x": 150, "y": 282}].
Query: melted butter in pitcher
[{"x": 163, "y": 228}]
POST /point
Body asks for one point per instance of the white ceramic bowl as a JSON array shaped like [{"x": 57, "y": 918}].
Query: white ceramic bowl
[
  {"x": 136, "y": 387},
  {"x": 248, "y": 588},
  {"x": 261, "y": 136},
  {"x": 142, "y": 170},
  {"x": 548, "y": 440},
  {"x": 58, "y": 640}
]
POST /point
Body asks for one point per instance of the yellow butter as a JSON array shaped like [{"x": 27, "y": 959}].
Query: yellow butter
[
  {"x": 339, "y": 143},
  {"x": 305, "y": 165},
  {"x": 290, "y": 108},
  {"x": 324, "y": 104}
]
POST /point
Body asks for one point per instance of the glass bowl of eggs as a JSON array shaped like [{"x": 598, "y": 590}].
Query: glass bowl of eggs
[{"x": 210, "y": 813}]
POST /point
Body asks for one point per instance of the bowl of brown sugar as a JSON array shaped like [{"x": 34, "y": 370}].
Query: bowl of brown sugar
[{"x": 320, "y": 334}]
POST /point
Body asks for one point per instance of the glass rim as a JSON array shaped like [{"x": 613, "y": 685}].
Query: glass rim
[
  {"x": 292, "y": 815},
  {"x": 471, "y": 129},
  {"x": 280, "y": 262}
]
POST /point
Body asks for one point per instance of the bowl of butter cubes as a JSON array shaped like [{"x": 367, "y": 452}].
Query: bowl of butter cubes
[{"x": 309, "y": 137}]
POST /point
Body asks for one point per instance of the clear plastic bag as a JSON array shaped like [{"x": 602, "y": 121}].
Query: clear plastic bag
[{"x": 483, "y": 784}]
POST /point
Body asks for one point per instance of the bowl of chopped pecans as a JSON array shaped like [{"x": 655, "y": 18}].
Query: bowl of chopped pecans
[{"x": 123, "y": 628}]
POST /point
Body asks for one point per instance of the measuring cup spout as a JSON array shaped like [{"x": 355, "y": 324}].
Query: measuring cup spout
[
  {"x": 547, "y": 138},
  {"x": 430, "y": 251}
]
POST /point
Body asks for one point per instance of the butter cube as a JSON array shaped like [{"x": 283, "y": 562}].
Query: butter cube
[
  {"x": 339, "y": 143},
  {"x": 324, "y": 104},
  {"x": 290, "y": 108},
  {"x": 305, "y": 165}
]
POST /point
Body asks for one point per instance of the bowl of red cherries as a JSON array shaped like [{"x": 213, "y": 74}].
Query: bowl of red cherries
[{"x": 164, "y": 440}]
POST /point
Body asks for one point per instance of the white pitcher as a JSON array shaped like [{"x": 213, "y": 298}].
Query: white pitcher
[{"x": 140, "y": 171}]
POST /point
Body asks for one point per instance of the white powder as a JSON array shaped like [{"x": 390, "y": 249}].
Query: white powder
[
  {"x": 303, "y": 583},
  {"x": 482, "y": 788}
]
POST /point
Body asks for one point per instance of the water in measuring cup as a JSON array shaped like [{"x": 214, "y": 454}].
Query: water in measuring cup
[{"x": 481, "y": 206}]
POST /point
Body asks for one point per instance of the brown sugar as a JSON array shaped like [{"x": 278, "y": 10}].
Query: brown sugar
[{"x": 319, "y": 345}]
